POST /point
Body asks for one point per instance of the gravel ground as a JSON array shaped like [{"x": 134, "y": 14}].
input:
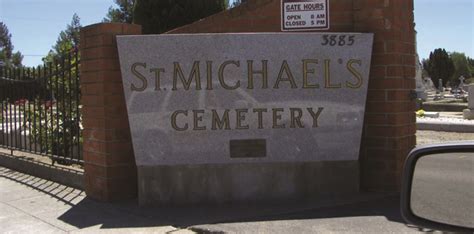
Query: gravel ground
[
  {"x": 445, "y": 120},
  {"x": 434, "y": 137}
]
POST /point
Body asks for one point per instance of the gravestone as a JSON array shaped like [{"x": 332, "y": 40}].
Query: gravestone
[
  {"x": 420, "y": 85},
  {"x": 461, "y": 82},
  {"x": 429, "y": 85},
  {"x": 469, "y": 112},
  {"x": 439, "y": 91},
  {"x": 245, "y": 117}
]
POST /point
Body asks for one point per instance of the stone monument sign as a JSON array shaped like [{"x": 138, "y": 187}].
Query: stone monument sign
[
  {"x": 243, "y": 98},
  {"x": 245, "y": 117}
]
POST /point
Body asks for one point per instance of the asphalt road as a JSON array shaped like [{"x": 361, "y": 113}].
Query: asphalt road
[
  {"x": 443, "y": 188},
  {"x": 373, "y": 216}
]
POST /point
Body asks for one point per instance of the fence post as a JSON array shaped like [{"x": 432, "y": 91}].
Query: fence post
[{"x": 110, "y": 170}]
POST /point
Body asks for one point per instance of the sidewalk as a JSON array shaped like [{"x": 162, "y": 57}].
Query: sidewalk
[{"x": 32, "y": 205}]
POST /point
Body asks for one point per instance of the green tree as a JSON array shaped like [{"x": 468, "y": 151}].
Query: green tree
[
  {"x": 63, "y": 87},
  {"x": 6, "y": 48},
  {"x": 439, "y": 66},
  {"x": 17, "y": 59},
  {"x": 470, "y": 62},
  {"x": 164, "y": 15},
  {"x": 461, "y": 66},
  {"x": 122, "y": 14},
  {"x": 68, "y": 41}
]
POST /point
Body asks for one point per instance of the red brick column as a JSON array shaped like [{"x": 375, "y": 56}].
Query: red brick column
[
  {"x": 389, "y": 128},
  {"x": 390, "y": 124},
  {"x": 110, "y": 170}
]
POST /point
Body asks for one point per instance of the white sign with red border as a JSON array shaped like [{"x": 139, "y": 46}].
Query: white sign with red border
[{"x": 301, "y": 15}]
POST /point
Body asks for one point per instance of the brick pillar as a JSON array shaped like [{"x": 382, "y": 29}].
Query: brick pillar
[
  {"x": 110, "y": 170},
  {"x": 390, "y": 123}
]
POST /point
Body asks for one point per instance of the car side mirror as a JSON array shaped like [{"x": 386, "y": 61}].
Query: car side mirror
[{"x": 438, "y": 187}]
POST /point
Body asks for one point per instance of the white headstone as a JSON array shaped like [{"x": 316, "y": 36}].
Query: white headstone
[
  {"x": 469, "y": 113},
  {"x": 429, "y": 84},
  {"x": 461, "y": 82},
  {"x": 420, "y": 86},
  {"x": 470, "y": 98}
]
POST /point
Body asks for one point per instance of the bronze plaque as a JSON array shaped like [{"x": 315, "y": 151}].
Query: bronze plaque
[{"x": 250, "y": 148}]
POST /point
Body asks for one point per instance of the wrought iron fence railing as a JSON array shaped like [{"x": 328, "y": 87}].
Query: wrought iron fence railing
[{"x": 40, "y": 109}]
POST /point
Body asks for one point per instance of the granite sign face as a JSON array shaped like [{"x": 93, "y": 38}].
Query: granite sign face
[{"x": 243, "y": 98}]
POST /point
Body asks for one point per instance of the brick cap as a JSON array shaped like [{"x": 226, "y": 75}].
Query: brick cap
[{"x": 114, "y": 28}]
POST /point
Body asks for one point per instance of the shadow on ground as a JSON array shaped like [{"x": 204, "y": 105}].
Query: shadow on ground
[
  {"x": 84, "y": 212},
  {"x": 55, "y": 190},
  {"x": 88, "y": 213}
]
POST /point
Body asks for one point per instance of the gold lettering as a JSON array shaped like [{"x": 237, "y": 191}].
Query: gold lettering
[
  {"x": 355, "y": 73},
  {"x": 220, "y": 123},
  {"x": 139, "y": 76},
  {"x": 187, "y": 83},
  {"x": 259, "y": 112},
  {"x": 197, "y": 119},
  {"x": 277, "y": 117},
  {"x": 209, "y": 75},
  {"x": 327, "y": 76},
  {"x": 307, "y": 71},
  {"x": 263, "y": 72},
  {"x": 157, "y": 72},
  {"x": 315, "y": 115},
  {"x": 289, "y": 76},
  {"x": 241, "y": 117},
  {"x": 173, "y": 120},
  {"x": 296, "y": 119},
  {"x": 221, "y": 74}
]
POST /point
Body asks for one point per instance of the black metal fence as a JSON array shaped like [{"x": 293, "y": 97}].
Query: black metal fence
[{"x": 40, "y": 109}]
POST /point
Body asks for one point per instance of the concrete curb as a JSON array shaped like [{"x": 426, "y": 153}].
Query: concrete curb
[
  {"x": 445, "y": 127},
  {"x": 65, "y": 176},
  {"x": 444, "y": 107}
]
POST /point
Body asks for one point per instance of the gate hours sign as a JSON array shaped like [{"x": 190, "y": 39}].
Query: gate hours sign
[{"x": 299, "y": 15}]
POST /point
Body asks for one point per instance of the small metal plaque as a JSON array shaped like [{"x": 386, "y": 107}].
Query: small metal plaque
[{"x": 252, "y": 148}]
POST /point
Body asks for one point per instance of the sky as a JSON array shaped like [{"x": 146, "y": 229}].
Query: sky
[{"x": 35, "y": 24}]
